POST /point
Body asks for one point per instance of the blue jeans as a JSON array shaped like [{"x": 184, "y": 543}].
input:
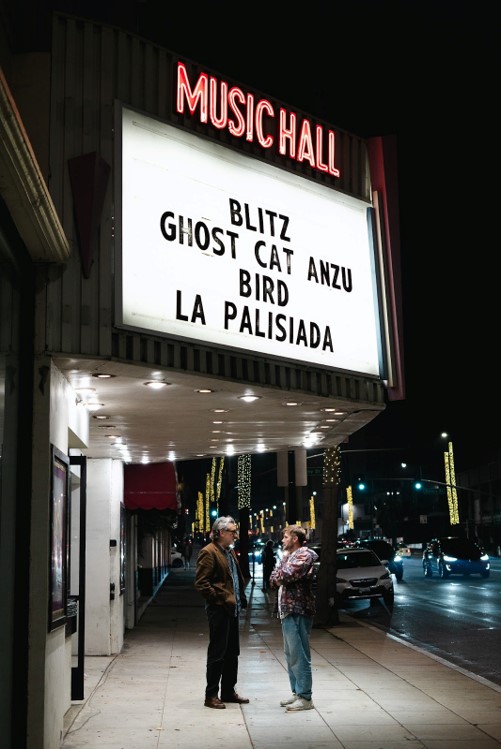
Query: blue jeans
[{"x": 296, "y": 631}]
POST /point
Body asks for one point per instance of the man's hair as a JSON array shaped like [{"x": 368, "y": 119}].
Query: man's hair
[
  {"x": 220, "y": 525},
  {"x": 299, "y": 531}
]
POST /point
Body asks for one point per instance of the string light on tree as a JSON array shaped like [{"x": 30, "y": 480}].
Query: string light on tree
[
  {"x": 312, "y": 513},
  {"x": 207, "y": 501},
  {"x": 450, "y": 480},
  {"x": 220, "y": 478},
  {"x": 212, "y": 479},
  {"x": 200, "y": 520},
  {"x": 332, "y": 466},
  {"x": 349, "y": 497},
  {"x": 244, "y": 481}
]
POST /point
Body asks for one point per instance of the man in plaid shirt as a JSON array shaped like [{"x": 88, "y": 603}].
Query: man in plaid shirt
[{"x": 293, "y": 576}]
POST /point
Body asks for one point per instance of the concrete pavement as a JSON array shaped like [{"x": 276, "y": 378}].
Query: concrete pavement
[{"x": 370, "y": 690}]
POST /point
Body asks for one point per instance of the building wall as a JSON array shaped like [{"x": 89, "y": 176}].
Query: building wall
[
  {"x": 104, "y": 617},
  {"x": 49, "y": 677}
]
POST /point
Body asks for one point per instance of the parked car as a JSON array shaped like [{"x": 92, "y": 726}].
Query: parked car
[
  {"x": 317, "y": 548},
  {"x": 387, "y": 554},
  {"x": 404, "y": 551},
  {"x": 176, "y": 558},
  {"x": 362, "y": 575},
  {"x": 254, "y": 551},
  {"x": 455, "y": 556}
]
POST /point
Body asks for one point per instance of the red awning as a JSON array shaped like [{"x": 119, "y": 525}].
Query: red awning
[{"x": 152, "y": 486}]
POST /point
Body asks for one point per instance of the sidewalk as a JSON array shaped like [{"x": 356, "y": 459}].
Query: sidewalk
[{"x": 370, "y": 690}]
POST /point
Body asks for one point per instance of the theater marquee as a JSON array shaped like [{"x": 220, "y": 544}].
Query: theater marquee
[{"x": 230, "y": 251}]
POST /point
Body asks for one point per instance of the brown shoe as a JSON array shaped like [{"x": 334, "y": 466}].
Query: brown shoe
[
  {"x": 214, "y": 702},
  {"x": 236, "y": 698}
]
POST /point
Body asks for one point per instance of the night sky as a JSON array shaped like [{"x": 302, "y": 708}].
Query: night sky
[{"x": 427, "y": 72}]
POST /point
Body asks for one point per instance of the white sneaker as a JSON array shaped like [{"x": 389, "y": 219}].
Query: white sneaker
[
  {"x": 300, "y": 703},
  {"x": 292, "y": 699}
]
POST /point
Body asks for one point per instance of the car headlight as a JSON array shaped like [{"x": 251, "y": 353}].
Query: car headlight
[
  {"x": 447, "y": 558},
  {"x": 385, "y": 576},
  {"x": 484, "y": 557},
  {"x": 397, "y": 558}
]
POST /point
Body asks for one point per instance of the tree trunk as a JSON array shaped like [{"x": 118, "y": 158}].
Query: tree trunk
[
  {"x": 327, "y": 611},
  {"x": 244, "y": 542}
]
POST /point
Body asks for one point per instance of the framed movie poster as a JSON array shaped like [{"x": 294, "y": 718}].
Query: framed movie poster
[{"x": 58, "y": 559}]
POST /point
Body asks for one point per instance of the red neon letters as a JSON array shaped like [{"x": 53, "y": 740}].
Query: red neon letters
[{"x": 231, "y": 109}]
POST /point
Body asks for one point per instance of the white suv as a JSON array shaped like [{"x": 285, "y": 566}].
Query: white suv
[{"x": 361, "y": 575}]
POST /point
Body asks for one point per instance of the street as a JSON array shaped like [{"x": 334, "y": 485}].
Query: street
[{"x": 458, "y": 619}]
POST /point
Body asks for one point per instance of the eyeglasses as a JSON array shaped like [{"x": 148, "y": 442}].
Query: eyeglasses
[{"x": 235, "y": 532}]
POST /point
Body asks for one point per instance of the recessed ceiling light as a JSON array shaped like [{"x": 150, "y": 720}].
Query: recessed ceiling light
[
  {"x": 292, "y": 403},
  {"x": 102, "y": 417},
  {"x": 249, "y": 398},
  {"x": 103, "y": 375},
  {"x": 219, "y": 410},
  {"x": 94, "y": 406},
  {"x": 328, "y": 410},
  {"x": 156, "y": 384},
  {"x": 204, "y": 390}
]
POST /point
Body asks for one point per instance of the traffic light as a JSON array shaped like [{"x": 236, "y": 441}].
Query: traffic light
[
  {"x": 418, "y": 485},
  {"x": 361, "y": 486}
]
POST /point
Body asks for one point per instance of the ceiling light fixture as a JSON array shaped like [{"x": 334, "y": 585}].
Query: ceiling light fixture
[
  {"x": 103, "y": 375},
  {"x": 102, "y": 417},
  {"x": 156, "y": 384},
  {"x": 249, "y": 398},
  {"x": 204, "y": 390},
  {"x": 94, "y": 406}
]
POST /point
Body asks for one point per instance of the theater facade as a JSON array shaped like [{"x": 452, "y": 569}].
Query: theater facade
[{"x": 159, "y": 220}]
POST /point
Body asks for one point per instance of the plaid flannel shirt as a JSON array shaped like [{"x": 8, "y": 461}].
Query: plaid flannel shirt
[{"x": 293, "y": 576}]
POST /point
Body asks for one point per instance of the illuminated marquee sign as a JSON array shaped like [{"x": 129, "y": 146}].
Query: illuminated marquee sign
[
  {"x": 230, "y": 251},
  {"x": 231, "y": 109}
]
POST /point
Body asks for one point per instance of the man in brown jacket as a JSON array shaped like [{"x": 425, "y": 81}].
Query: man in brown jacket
[{"x": 219, "y": 579}]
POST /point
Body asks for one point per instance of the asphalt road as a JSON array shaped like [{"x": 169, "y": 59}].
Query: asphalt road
[{"x": 458, "y": 619}]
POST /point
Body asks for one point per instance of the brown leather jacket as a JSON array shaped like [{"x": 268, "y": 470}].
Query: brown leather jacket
[{"x": 213, "y": 578}]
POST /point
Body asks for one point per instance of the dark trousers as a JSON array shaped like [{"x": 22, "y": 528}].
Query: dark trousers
[{"x": 222, "y": 653}]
